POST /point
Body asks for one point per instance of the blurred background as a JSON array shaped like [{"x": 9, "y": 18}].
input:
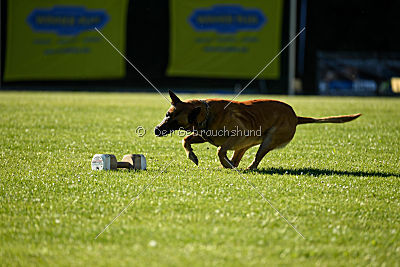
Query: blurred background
[{"x": 347, "y": 47}]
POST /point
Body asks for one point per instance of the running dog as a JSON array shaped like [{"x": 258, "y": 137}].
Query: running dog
[{"x": 236, "y": 126}]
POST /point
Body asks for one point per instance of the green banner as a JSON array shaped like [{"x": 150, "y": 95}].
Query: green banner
[
  {"x": 225, "y": 39},
  {"x": 56, "y": 39}
]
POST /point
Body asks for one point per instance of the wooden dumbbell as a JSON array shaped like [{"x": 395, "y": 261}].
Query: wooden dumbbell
[{"x": 109, "y": 162}]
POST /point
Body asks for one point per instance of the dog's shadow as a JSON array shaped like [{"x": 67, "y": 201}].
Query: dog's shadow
[{"x": 319, "y": 172}]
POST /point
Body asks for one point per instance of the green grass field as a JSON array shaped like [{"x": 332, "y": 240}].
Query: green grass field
[{"x": 339, "y": 184}]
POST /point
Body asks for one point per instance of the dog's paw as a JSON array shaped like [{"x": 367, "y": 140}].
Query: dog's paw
[
  {"x": 193, "y": 158},
  {"x": 251, "y": 168}
]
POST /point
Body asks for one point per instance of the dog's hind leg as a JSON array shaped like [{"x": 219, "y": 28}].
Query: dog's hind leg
[
  {"x": 264, "y": 148},
  {"x": 275, "y": 138},
  {"x": 187, "y": 141}
]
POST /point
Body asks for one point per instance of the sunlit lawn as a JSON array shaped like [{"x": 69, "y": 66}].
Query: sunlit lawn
[{"x": 338, "y": 184}]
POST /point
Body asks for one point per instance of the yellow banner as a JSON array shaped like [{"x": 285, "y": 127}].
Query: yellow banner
[
  {"x": 55, "y": 39},
  {"x": 225, "y": 39}
]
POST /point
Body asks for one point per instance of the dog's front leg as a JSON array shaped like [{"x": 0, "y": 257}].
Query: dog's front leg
[
  {"x": 223, "y": 158},
  {"x": 187, "y": 142},
  {"x": 222, "y": 150}
]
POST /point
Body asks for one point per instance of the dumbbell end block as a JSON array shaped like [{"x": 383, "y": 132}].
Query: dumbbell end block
[
  {"x": 137, "y": 161},
  {"x": 104, "y": 162}
]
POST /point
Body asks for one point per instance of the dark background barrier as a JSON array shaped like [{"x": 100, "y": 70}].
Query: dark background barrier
[{"x": 370, "y": 27}]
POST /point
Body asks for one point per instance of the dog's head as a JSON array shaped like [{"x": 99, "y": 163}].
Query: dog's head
[{"x": 181, "y": 115}]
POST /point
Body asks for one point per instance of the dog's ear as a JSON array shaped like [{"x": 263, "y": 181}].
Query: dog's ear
[
  {"x": 174, "y": 99},
  {"x": 192, "y": 119}
]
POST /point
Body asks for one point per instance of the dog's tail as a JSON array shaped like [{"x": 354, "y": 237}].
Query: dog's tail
[{"x": 334, "y": 119}]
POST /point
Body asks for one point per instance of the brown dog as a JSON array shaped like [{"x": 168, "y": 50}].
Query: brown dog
[{"x": 238, "y": 127}]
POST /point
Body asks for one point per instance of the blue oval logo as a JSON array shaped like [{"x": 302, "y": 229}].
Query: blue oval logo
[
  {"x": 67, "y": 20},
  {"x": 227, "y": 19}
]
